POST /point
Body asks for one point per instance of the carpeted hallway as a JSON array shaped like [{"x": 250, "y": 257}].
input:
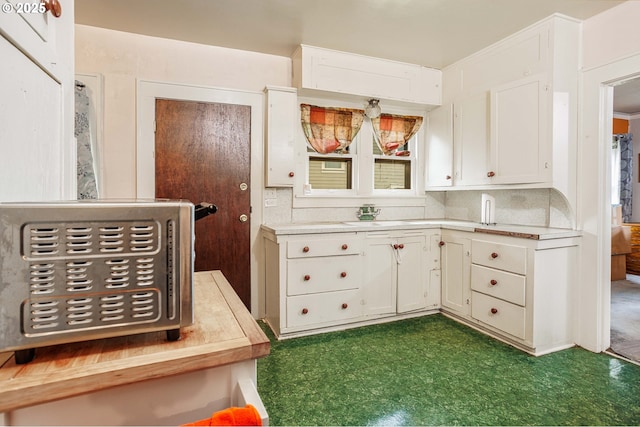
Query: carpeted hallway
[{"x": 625, "y": 317}]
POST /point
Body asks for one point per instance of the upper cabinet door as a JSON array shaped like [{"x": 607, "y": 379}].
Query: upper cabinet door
[
  {"x": 282, "y": 118},
  {"x": 439, "y": 170},
  {"x": 471, "y": 139},
  {"x": 520, "y": 147}
]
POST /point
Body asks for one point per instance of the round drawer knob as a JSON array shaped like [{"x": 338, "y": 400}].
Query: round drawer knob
[
  {"x": 440, "y": 243},
  {"x": 343, "y": 274},
  {"x": 345, "y": 306},
  {"x": 305, "y": 310},
  {"x": 307, "y": 277},
  {"x": 493, "y": 282},
  {"x": 395, "y": 246},
  {"x": 401, "y": 246},
  {"x": 291, "y": 174},
  {"x": 53, "y": 6},
  {"x": 491, "y": 174},
  {"x": 345, "y": 247},
  {"x": 494, "y": 255},
  {"x": 494, "y": 311},
  {"x": 305, "y": 249}
]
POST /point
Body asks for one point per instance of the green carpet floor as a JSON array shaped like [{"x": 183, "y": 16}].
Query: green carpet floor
[{"x": 434, "y": 371}]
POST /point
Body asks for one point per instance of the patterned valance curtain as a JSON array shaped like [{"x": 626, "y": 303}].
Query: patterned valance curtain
[
  {"x": 392, "y": 132},
  {"x": 330, "y": 129}
]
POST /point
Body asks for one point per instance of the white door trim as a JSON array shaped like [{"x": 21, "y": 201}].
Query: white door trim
[
  {"x": 147, "y": 92},
  {"x": 593, "y": 296}
]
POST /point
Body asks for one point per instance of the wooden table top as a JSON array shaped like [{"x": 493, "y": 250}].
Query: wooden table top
[{"x": 223, "y": 332}]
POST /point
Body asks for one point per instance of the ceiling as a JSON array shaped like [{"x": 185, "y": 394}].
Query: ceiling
[{"x": 432, "y": 33}]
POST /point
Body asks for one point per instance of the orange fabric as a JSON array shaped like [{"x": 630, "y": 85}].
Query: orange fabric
[{"x": 247, "y": 416}]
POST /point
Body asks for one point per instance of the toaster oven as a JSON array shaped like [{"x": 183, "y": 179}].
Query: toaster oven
[{"x": 81, "y": 270}]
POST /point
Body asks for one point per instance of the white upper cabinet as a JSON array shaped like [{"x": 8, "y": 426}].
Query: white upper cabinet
[
  {"x": 326, "y": 70},
  {"x": 515, "y": 111},
  {"x": 37, "y": 108},
  {"x": 281, "y": 119}
]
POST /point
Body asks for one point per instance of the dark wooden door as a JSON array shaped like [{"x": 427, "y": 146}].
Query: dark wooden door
[{"x": 203, "y": 155}]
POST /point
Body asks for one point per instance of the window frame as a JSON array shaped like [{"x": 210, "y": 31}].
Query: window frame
[{"x": 363, "y": 163}]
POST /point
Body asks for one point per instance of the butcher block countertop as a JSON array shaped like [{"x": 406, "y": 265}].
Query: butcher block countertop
[{"x": 224, "y": 332}]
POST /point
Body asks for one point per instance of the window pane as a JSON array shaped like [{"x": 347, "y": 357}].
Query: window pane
[
  {"x": 330, "y": 173},
  {"x": 392, "y": 174}
]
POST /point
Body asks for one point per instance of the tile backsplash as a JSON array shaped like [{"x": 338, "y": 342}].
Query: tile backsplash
[{"x": 535, "y": 207}]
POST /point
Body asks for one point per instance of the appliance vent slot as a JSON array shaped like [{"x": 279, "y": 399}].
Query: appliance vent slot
[
  {"x": 44, "y": 241},
  {"x": 118, "y": 273},
  {"x": 112, "y": 239},
  {"x": 79, "y": 240},
  {"x": 142, "y": 238},
  {"x": 41, "y": 279},
  {"x": 145, "y": 271}
]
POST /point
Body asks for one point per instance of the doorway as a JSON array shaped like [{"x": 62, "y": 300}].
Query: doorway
[
  {"x": 147, "y": 94},
  {"x": 202, "y": 154},
  {"x": 625, "y": 283}
]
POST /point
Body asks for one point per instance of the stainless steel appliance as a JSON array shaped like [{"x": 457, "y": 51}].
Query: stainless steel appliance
[{"x": 80, "y": 270}]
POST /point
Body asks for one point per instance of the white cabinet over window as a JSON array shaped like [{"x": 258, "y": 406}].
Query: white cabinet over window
[{"x": 327, "y": 70}]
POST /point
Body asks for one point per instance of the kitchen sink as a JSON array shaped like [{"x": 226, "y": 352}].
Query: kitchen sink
[{"x": 389, "y": 223}]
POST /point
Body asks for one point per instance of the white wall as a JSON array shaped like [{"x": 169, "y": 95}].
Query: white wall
[{"x": 124, "y": 58}]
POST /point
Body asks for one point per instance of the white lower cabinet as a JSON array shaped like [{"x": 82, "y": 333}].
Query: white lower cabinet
[
  {"x": 455, "y": 258},
  {"x": 520, "y": 290},
  {"x": 318, "y": 282},
  {"x": 401, "y": 271}
]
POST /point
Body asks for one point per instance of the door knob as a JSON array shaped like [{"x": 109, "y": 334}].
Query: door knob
[{"x": 243, "y": 218}]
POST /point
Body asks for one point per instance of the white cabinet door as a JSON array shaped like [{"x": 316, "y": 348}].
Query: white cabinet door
[
  {"x": 36, "y": 108},
  {"x": 380, "y": 275},
  {"x": 281, "y": 130},
  {"x": 455, "y": 259},
  {"x": 413, "y": 278},
  {"x": 520, "y": 144},
  {"x": 471, "y": 140},
  {"x": 439, "y": 170}
]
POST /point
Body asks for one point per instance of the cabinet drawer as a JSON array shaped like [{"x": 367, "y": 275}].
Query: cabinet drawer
[
  {"x": 500, "y": 314},
  {"x": 313, "y": 275},
  {"x": 498, "y": 283},
  {"x": 314, "y": 247},
  {"x": 303, "y": 310},
  {"x": 496, "y": 255}
]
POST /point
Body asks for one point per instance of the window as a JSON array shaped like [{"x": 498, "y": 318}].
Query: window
[{"x": 362, "y": 157}]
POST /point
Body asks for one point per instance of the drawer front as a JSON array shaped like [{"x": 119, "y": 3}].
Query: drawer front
[
  {"x": 496, "y": 255},
  {"x": 317, "y": 246},
  {"x": 318, "y": 309},
  {"x": 507, "y": 317},
  {"x": 498, "y": 283},
  {"x": 313, "y": 275}
]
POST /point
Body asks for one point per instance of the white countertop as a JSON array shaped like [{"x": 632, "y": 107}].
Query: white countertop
[{"x": 522, "y": 231}]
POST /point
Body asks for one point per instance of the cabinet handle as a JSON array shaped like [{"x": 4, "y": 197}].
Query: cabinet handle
[
  {"x": 493, "y": 282},
  {"x": 494, "y": 255},
  {"x": 53, "y": 6},
  {"x": 440, "y": 243},
  {"x": 305, "y": 311},
  {"x": 448, "y": 177},
  {"x": 305, "y": 249},
  {"x": 345, "y": 247},
  {"x": 494, "y": 311},
  {"x": 291, "y": 174},
  {"x": 307, "y": 277},
  {"x": 345, "y": 306},
  {"x": 343, "y": 274},
  {"x": 491, "y": 174},
  {"x": 401, "y": 245},
  {"x": 395, "y": 246}
]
